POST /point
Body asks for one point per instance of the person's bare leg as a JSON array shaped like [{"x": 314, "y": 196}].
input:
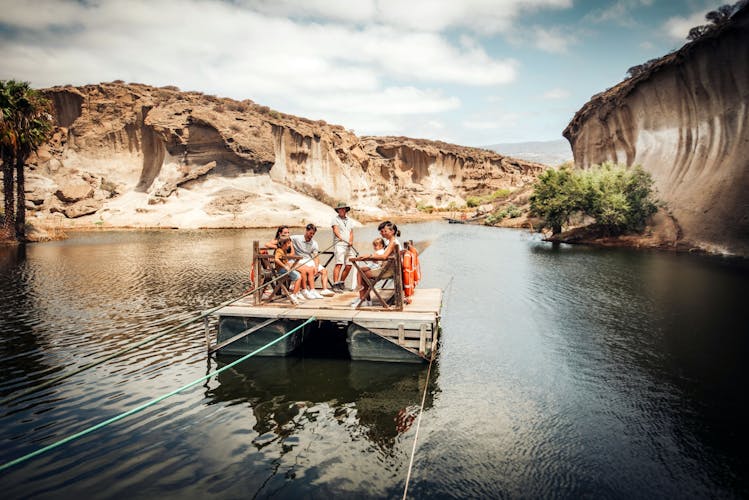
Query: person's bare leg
[
  {"x": 324, "y": 278},
  {"x": 336, "y": 272},
  {"x": 346, "y": 270},
  {"x": 309, "y": 277}
]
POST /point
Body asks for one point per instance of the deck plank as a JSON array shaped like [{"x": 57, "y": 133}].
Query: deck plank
[{"x": 425, "y": 307}]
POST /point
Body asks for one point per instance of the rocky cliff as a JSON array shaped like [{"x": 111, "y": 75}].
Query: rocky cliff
[
  {"x": 135, "y": 155},
  {"x": 685, "y": 120}
]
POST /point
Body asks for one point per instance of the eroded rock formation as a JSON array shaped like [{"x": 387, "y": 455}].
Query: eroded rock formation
[
  {"x": 135, "y": 155},
  {"x": 686, "y": 121}
]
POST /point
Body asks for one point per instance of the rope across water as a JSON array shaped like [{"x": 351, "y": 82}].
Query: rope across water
[
  {"x": 421, "y": 412},
  {"x": 147, "y": 340},
  {"x": 147, "y": 404}
]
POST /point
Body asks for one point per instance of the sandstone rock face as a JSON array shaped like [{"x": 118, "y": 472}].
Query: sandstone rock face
[
  {"x": 686, "y": 121},
  {"x": 157, "y": 156},
  {"x": 81, "y": 208},
  {"x": 73, "y": 190}
]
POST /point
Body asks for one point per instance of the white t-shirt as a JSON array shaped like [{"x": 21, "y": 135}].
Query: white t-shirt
[
  {"x": 305, "y": 249},
  {"x": 375, "y": 264},
  {"x": 387, "y": 242},
  {"x": 344, "y": 228}
]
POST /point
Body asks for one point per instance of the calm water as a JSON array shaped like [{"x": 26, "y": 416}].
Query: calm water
[{"x": 563, "y": 372}]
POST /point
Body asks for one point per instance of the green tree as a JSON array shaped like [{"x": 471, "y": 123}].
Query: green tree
[
  {"x": 618, "y": 198},
  {"x": 25, "y": 124},
  {"x": 557, "y": 195}
]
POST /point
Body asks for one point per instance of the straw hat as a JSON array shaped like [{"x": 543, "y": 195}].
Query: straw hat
[{"x": 342, "y": 204}]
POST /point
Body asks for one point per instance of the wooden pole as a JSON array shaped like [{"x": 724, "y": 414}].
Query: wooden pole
[
  {"x": 256, "y": 267},
  {"x": 398, "y": 279},
  {"x": 206, "y": 329}
]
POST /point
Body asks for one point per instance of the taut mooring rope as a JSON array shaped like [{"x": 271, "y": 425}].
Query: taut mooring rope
[
  {"x": 421, "y": 412},
  {"x": 416, "y": 435},
  {"x": 146, "y": 405},
  {"x": 153, "y": 337}
]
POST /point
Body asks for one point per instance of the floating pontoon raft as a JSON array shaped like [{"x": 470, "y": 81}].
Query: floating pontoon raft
[{"x": 397, "y": 332}]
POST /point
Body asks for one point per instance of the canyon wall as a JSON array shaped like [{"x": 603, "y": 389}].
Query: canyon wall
[
  {"x": 685, "y": 119},
  {"x": 132, "y": 155}
]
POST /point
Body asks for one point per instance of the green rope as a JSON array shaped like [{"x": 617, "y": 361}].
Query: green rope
[
  {"x": 145, "y": 405},
  {"x": 142, "y": 342}
]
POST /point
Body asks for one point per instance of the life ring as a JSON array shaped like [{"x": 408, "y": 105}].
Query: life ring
[{"x": 408, "y": 274}]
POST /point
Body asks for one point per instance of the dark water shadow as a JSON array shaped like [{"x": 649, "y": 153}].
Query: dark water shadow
[{"x": 385, "y": 395}]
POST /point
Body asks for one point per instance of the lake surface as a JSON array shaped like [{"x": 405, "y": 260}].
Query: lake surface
[{"x": 563, "y": 372}]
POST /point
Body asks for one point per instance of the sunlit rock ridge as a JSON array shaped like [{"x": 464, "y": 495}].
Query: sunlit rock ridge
[
  {"x": 686, "y": 121},
  {"x": 135, "y": 155}
]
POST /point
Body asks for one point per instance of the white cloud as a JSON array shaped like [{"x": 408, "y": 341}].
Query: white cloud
[
  {"x": 481, "y": 16},
  {"x": 619, "y": 12},
  {"x": 678, "y": 27},
  {"x": 552, "y": 40},
  {"x": 232, "y": 48},
  {"x": 360, "y": 11},
  {"x": 556, "y": 93},
  {"x": 435, "y": 125},
  {"x": 389, "y": 101},
  {"x": 496, "y": 122}
]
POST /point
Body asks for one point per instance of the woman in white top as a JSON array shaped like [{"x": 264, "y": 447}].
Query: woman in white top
[{"x": 388, "y": 231}]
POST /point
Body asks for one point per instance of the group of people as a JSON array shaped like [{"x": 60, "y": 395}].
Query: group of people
[{"x": 298, "y": 255}]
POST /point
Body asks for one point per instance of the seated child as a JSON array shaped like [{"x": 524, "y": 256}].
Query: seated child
[
  {"x": 281, "y": 258},
  {"x": 371, "y": 268}
]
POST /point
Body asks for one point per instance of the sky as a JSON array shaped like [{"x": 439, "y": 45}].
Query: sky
[{"x": 470, "y": 72}]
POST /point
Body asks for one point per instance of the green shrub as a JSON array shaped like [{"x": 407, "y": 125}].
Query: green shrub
[
  {"x": 500, "y": 193},
  {"x": 473, "y": 201},
  {"x": 508, "y": 212},
  {"x": 620, "y": 199}
]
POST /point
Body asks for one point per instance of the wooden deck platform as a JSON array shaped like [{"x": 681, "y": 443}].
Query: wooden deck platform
[{"x": 373, "y": 333}]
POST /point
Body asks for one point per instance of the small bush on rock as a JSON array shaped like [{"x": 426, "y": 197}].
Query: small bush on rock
[{"x": 620, "y": 199}]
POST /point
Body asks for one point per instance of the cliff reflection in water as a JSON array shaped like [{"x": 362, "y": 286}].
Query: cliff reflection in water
[{"x": 380, "y": 400}]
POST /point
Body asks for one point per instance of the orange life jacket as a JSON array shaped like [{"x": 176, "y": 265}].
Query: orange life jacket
[
  {"x": 408, "y": 274},
  {"x": 416, "y": 265}
]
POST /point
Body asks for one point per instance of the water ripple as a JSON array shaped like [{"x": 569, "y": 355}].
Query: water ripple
[{"x": 563, "y": 372}]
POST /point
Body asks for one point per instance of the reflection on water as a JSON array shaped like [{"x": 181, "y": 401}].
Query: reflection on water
[
  {"x": 380, "y": 398},
  {"x": 563, "y": 371}
]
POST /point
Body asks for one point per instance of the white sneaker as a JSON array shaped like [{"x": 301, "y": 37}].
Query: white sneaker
[
  {"x": 355, "y": 303},
  {"x": 293, "y": 299},
  {"x": 326, "y": 293},
  {"x": 298, "y": 296},
  {"x": 307, "y": 294},
  {"x": 315, "y": 294}
]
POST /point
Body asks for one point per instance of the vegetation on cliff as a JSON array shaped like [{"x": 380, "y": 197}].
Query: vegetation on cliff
[
  {"x": 617, "y": 198},
  {"x": 25, "y": 124},
  {"x": 717, "y": 19}
]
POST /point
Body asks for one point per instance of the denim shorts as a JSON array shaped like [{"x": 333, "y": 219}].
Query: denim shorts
[{"x": 293, "y": 275}]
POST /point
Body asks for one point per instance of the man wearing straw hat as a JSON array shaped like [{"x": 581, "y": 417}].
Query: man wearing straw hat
[{"x": 343, "y": 237}]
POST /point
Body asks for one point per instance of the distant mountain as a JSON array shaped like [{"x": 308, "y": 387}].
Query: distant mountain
[{"x": 552, "y": 153}]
